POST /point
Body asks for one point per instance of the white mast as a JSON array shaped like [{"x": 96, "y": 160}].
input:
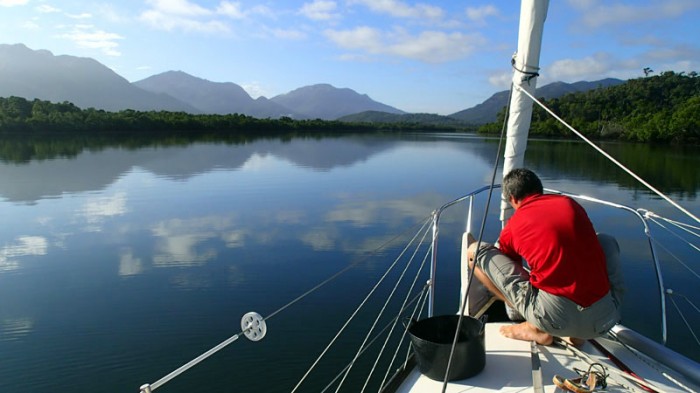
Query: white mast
[{"x": 526, "y": 65}]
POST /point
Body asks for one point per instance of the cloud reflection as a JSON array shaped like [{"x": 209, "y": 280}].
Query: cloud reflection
[
  {"x": 182, "y": 242},
  {"x": 128, "y": 264},
  {"x": 96, "y": 210},
  {"x": 320, "y": 239},
  {"x": 23, "y": 246},
  {"x": 366, "y": 213}
]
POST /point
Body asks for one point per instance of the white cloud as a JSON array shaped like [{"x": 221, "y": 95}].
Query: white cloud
[
  {"x": 31, "y": 25},
  {"x": 366, "y": 38},
  {"x": 597, "y": 13},
  {"x": 90, "y": 37},
  {"x": 46, "y": 9},
  {"x": 231, "y": 9},
  {"x": 400, "y": 9},
  {"x": 12, "y": 3},
  {"x": 287, "y": 34},
  {"x": 183, "y": 15},
  {"x": 501, "y": 80},
  {"x": 254, "y": 89},
  {"x": 83, "y": 15},
  {"x": 572, "y": 70},
  {"x": 320, "y": 10},
  {"x": 178, "y": 7},
  {"x": 168, "y": 22},
  {"x": 191, "y": 17},
  {"x": 427, "y": 46},
  {"x": 479, "y": 15},
  {"x": 437, "y": 46}
]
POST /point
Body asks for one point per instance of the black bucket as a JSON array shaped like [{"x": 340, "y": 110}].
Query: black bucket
[{"x": 432, "y": 342}]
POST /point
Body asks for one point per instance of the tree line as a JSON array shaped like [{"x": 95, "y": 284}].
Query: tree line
[
  {"x": 22, "y": 117},
  {"x": 664, "y": 108}
]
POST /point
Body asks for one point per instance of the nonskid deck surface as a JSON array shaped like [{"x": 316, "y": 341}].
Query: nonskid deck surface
[{"x": 509, "y": 368}]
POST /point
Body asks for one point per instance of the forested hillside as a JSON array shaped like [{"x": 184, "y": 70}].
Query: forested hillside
[{"x": 663, "y": 108}]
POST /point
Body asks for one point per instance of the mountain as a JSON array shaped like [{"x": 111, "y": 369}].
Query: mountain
[
  {"x": 487, "y": 111},
  {"x": 83, "y": 81},
  {"x": 213, "y": 97},
  {"x": 327, "y": 102}
]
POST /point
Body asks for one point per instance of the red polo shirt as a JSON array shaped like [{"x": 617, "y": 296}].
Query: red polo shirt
[{"x": 556, "y": 238}]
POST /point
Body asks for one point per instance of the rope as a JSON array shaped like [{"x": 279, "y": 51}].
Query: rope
[
  {"x": 651, "y": 218},
  {"x": 629, "y": 374},
  {"x": 529, "y": 75},
  {"x": 386, "y": 304},
  {"x": 679, "y": 224},
  {"x": 609, "y": 157},
  {"x": 342, "y": 329}
]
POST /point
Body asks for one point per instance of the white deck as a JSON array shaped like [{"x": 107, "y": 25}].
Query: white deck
[{"x": 509, "y": 368}]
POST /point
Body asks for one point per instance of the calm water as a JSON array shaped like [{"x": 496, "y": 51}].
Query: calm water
[{"x": 119, "y": 265}]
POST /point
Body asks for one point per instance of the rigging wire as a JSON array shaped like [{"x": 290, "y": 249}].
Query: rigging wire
[
  {"x": 386, "y": 304},
  {"x": 685, "y": 321},
  {"x": 408, "y": 293},
  {"x": 228, "y": 341},
  {"x": 415, "y": 298},
  {"x": 414, "y": 315},
  {"x": 609, "y": 157},
  {"x": 352, "y": 265},
  {"x": 342, "y": 329}
]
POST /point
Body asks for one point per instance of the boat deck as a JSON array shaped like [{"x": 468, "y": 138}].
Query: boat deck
[{"x": 511, "y": 366}]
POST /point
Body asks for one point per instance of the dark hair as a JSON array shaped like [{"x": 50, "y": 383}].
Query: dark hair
[{"x": 521, "y": 182}]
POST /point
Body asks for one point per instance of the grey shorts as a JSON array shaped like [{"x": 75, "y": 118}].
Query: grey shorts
[{"x": 553, "y": 314}]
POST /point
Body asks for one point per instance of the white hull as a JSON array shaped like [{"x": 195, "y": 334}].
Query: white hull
[{"x": 509, "y": 368}]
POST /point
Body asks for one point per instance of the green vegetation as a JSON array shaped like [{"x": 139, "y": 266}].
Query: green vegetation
[
  {"x": 19, "y": 116},
  {"x": 660, "y": 109}
]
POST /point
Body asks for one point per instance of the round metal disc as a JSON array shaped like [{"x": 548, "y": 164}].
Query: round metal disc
[{"x": 253, "y": 326}]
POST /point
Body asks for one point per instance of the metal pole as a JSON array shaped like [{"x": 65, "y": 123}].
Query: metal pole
[{"x": 433, "y": 265}]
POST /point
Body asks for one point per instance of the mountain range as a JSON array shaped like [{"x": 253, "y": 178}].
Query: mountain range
[{"x": 87, "y": 83}]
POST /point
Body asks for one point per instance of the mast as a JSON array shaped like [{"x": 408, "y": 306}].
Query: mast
[{"x": 526, "y": 65}]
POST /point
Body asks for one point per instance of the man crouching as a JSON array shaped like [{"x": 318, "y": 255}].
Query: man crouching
[{"x": 573, "y": 288}]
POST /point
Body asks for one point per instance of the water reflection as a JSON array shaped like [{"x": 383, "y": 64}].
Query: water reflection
[
  {"x": 21, "y": 247},
  {"x": 163, "y": 248},
  {"x": 129, "y": 265},
  {"x": 88, "y": 170},
  {"x": 12, "y": 329}
]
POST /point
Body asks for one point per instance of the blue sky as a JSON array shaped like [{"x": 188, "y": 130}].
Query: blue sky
[{"x": 419, "y": 56}]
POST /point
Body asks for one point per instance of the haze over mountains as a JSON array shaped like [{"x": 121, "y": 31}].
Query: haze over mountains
[{"x": 87, "y": 83}]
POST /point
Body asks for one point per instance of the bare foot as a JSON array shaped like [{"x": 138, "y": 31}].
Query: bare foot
[
  {"x": 575, "y": 341},
  {"x": 527, "y": 332}
]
